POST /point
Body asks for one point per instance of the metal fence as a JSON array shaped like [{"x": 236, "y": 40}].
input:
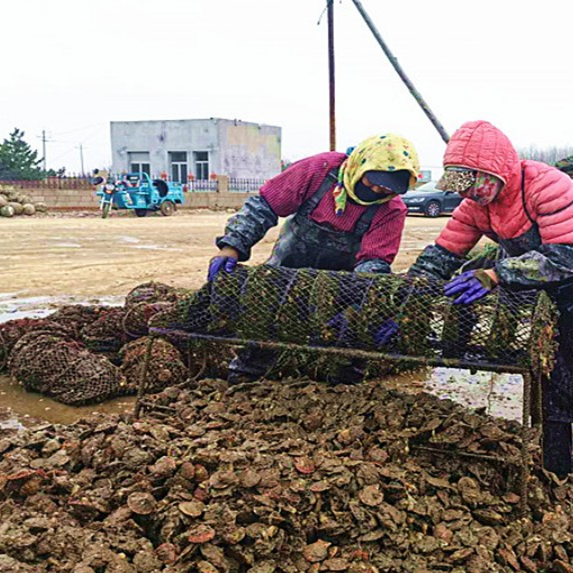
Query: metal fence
[
  {"x": 235, "y": 185},
  {"x": 245, "y": 185},
  {"x": 203, "y": 185},
  {"x": 49, "y": 183}
]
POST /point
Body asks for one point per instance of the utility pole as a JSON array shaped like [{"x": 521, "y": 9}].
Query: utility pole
[
  {"x": 81, "y": 148},
  {"x": 44, "y": 148},
  {"x": 331, "y": 83}
]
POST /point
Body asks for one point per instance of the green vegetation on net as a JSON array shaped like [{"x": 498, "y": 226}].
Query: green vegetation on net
[{"x": 311, "y": 308}]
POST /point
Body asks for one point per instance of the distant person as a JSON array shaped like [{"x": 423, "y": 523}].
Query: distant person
[
  {"x": 345, "y": 213},
  {"x": 527, "y": 208}
]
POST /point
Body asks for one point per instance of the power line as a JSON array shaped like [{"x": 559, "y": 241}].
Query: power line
[
  {"x": 92, "y": 135},
  {"x": 64, "y": 153},
  {"x": 99, "y": 124}
]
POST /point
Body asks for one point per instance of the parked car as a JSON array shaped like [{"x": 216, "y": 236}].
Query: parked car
[{"x": 430, "y": 201}]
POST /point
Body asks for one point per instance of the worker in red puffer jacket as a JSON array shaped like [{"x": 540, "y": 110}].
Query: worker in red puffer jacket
[{"x": 527, "y": 208}]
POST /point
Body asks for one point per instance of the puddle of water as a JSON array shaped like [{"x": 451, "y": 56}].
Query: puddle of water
[
  {"x": 501, "y": 395},
  {"x": 157, "y": 248},
  {"x": 12, "y": 307},
  {"x": 4, "y": 295},
  {"x": 15, "y": 314},
  {"x": 133, "y": 242},
  {"x": 31, "y": 300},
  {"x": 8, "y": 421},
  {"x": 21, "y": 408}
]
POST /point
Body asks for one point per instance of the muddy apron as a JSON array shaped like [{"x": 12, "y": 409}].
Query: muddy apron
[
  {"x": 557, "y": 389},
  {"x": 303, "y": 243}
]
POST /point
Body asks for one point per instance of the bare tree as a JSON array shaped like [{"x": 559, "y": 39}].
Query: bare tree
[{"x": 550, "y": 155}]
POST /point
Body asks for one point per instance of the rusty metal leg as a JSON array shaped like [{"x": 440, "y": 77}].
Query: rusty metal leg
[
  {"x": 525, "y": 439},
  {"x": 536, "y": 400},
  {"x": 143, "y": 380}
]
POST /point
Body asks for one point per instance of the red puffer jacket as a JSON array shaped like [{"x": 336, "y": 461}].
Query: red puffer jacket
[{"x": 547, "y": 193}]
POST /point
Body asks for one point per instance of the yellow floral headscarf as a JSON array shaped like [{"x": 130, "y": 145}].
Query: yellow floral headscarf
[{"x": 388, "y": 152}]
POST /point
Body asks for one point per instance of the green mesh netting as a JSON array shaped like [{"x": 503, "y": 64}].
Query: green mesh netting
[{"x": 396, "y": 315}]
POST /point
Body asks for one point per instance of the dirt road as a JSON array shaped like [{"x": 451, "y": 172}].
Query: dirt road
[{"x": 93, "y": 257}]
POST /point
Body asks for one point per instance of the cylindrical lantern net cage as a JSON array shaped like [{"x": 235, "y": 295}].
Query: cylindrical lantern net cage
[
  {"x": 392, "y": 318},
  {"x": 386, "y": 316}
]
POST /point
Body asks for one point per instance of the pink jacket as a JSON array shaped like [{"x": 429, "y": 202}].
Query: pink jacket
[{"x": 548, "y": 193}]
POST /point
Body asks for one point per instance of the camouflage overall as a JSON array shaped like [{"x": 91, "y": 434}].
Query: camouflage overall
[{"x": 305, "y": 244}]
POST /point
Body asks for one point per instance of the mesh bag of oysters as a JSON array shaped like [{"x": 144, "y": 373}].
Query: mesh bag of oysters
[
  {"x": 397, "y": 315},
  {"x": 84, "y": 354},
  {"x": 63, "y": 369}
]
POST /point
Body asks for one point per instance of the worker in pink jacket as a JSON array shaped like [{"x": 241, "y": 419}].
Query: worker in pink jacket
[{"x": 527, "y": 208}]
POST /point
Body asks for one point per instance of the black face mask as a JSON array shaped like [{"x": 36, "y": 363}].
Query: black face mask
[{"x": 366, "y": 194}]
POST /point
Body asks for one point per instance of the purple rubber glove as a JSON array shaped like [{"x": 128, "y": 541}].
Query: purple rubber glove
[
  {"x": 341, "y": 323},
  {"x": 218, "y": 264},
  {"x": 386, "y": 332},
  {"x": 471, "y": 286}
]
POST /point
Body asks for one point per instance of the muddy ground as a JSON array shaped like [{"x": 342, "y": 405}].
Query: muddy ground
[
  {"x": 58, "y": 259},
  {"x": 274, "y": 477},
  {"x": 86, "y": 256}
]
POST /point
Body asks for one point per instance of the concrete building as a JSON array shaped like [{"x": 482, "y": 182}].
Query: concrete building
[{"x": 196, "y": 147}]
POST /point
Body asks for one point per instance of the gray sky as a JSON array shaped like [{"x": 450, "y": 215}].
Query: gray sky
[{"x": 71, "y": 66}]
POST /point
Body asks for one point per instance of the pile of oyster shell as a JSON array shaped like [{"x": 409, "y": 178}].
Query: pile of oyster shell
[{"x": 291, "y": 476}]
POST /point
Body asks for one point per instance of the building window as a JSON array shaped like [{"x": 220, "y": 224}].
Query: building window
[
  {"x": 178, "y": 162},
  {"x": 201, "y": 159},
  {"x": 139, "y": 162}
]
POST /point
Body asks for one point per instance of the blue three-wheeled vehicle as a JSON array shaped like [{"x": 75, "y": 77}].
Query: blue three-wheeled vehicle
[{"x": 137, "y": 191}]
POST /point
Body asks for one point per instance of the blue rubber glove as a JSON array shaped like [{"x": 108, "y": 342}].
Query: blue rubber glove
[
  {"x": 218, "y": 264},
  {"x": 340, "y": 323},
  {"x": 471, "y": 286},
  {"x": 386, "y": 332}
]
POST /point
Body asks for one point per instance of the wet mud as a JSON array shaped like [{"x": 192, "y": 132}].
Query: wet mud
[
  {"x": 19, "y": 408},
  {"x": 14, "y": 305}
]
